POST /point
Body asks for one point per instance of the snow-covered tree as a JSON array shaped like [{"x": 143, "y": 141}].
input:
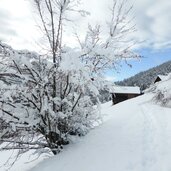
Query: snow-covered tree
[
  {"x": 162, "y": 91},
  {"x": 27, "y": 102},
  {"x": 45, "y": 99}
]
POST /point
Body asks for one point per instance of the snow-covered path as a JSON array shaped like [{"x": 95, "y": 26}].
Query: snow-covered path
[{"x": 136, "y": 136}]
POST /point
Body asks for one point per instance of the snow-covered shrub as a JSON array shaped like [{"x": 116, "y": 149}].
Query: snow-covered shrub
[
  {"x": 162, "y": 92},
  {"x": 104, "y": 95},
  {"x": 27, "y": 101}
]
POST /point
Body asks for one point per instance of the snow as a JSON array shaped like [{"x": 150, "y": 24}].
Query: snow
[
  {"x": 162, "y": 91},
  {"x": 126, "y": 89},
  {"x": 163, "y": 77},
  {"x": 135, "y": 136},
  {"x": 24, "y": 162}
]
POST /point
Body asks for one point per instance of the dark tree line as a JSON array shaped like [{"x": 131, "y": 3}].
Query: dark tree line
[{"x": 146, "y": 78}]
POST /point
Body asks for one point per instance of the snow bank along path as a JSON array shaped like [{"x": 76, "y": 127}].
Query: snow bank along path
[{"x": 136, "y": 136}]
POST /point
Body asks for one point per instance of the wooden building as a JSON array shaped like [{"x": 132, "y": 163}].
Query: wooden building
[{"x": 122, "y": 93}]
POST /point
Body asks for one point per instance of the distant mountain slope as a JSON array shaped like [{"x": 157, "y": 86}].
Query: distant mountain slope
[{"x": 145, "y": 78}]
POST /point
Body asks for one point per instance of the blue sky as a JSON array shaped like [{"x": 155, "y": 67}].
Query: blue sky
[{"x": 150, "y": 58}]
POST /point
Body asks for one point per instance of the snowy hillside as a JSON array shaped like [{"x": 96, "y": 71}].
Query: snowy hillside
[
  {"x": 135, "y": 136},
  {"x": 145, "y": 79}
]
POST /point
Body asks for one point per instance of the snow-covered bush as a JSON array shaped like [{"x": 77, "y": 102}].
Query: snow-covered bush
[
  {"x": 162, "y": 92},
  {"x": 27, "y": 101}
]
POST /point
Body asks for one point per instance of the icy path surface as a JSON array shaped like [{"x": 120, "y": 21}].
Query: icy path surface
[{"x": 135, "y": 136}]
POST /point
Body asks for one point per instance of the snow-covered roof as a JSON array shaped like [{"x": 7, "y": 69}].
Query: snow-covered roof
[
  {"x": 126, "y": 90},
  {"x": 163, "y": 77}
]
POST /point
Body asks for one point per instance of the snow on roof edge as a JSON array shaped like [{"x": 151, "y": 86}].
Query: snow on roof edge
[
  {"x": 162, "y": 77},
  {"x": 126, "y": 89}
]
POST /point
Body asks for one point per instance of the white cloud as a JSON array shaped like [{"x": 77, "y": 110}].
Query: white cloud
[
  {"x": 153, "y": 22},
  {"x": 17, "y": 24},
  {"x": 110, "y": 78},
  {"x": 152, "y": 18}
]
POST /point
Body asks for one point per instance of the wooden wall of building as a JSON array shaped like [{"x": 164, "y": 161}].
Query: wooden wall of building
[{"x": 119, "y": 97}]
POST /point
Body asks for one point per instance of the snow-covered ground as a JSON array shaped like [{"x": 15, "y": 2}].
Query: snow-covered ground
[
  {"x": 25, "y": 162},
  {"x": 135, "y": 136}
]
